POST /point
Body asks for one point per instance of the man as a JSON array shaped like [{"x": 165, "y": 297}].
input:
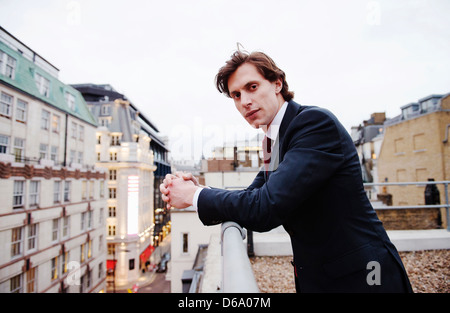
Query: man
[{"x": 311, "y": 184}]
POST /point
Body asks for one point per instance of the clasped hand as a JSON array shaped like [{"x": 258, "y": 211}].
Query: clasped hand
[{"x": 178, "y": 190}]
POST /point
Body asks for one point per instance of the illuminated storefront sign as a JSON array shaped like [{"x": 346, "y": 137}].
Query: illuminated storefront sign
[{"x": 133, "y": 205}]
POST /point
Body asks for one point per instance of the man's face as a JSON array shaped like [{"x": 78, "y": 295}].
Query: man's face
[{"x": 257, "y": 99}]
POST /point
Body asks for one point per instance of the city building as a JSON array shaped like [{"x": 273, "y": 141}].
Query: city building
[
  {"x": 415, "y": 148},
  {"x": 368, "y": 138},
  {"x": 52, "y": 213},
  {"x": 129, "y": 147}
]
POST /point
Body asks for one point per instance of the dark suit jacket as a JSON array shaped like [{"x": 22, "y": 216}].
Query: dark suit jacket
[{"x": 317, "y": 194}]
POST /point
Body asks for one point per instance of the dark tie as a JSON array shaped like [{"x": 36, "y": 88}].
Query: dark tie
[{"x": 267, "y": 152}]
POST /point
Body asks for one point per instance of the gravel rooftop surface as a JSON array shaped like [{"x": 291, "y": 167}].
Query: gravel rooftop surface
[{"x": 428, "y": 271}]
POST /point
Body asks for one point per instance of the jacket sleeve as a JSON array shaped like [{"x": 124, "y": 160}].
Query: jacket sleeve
[
  {"x": 258, "y": 181},
  {"x": 313, "y": 154}
]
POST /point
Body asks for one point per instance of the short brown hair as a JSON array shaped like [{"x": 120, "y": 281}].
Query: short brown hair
[{"x": 263, "y": 63}]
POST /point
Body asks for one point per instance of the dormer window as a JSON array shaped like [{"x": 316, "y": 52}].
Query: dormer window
[
  {"x": 43, "y": 85},
  {"x": 70, "y": 100},
  {"x": 106, "y": 109},
  {"x": 7, "y": 65}
]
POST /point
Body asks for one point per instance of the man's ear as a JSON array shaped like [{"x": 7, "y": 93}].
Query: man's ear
[{"x": 278, "y": 85}]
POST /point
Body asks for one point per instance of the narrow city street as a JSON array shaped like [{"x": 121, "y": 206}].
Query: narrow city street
[
  {"x": 150, "y": 281},
  {"x": 158, "y": 284}
]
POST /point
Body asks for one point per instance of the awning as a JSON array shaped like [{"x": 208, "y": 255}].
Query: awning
[
  {"x": 145, "y": 255},
  {"x": 110, "y": 264}
]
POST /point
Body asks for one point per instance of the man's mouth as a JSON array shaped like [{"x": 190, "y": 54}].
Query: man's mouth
[{"x": 249, "y": 114}]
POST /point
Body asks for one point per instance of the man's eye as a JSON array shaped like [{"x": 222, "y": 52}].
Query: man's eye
[
  {"x": 236, "y": 95},
  {"x": 253, "y": 87}
]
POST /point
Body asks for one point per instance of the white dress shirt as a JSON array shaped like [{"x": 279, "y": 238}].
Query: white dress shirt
[{"x": 272, "y": 133}]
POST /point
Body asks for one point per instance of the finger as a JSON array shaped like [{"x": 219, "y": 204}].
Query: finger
[
  {"x": 165, "y": 198},
  {"x": 163, "y": 189},
  {"x": 168, "y": 180},
  {"x": 180, "y": 174},
  {"x": 187, "y": 176}
]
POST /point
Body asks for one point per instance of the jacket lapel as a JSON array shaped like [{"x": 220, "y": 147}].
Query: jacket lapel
[{"x": 292, "y": 110}]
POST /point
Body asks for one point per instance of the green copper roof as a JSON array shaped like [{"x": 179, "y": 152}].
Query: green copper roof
[{"x": 24, "y": 80}]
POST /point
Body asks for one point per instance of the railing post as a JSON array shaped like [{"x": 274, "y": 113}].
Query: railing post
[
  {"x": 237, "y": 273},
  {"x": 447, "y": 210}
]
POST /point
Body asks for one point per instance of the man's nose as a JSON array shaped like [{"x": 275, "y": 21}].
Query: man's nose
[{"x": 245, "y": 99}]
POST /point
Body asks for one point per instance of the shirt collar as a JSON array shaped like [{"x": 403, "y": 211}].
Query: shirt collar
[{"x": 274, "y": 128}]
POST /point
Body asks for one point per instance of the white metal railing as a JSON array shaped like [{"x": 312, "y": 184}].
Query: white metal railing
[
  {"x": 237, "y": 272},
  {"x": 446, "y": 205}
]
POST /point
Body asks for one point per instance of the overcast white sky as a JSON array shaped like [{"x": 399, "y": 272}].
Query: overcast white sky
[{"x": 353, "y": 57}]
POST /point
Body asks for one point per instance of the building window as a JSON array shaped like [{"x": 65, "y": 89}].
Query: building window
[
  {"x": 111, "y": 230},
  {"x": 82, "y": 252},
  {"x": 64, "y": 260},
  {"x": 185, "y": 242},
  {"x": 54, "y": 154},
  {"x": 80, "y": 157},
  {"x": 89, "y": 249},
  {"x": 115, "y": 140},
  {"x": 21, "y": 111},
  {"x": 100, "y": 270},
  {"x": 55, "y": 229},
  {"x": 112, "y": 193},
  {"x": 55, "y": 123},
  {"x": 65, "y": 227},
  {"x": 4, "y": 141},
  {"x": 7, "y": 65},
  {"x": 91, "y": 189},
  {"x": 72, "y": 156},
  {"x": 16, "y": 284},
  {"x": 70, "y": 100},
  {"x": 43, "y": 150},
  {"x": 99, "y": 139},
  {"x": 32, "y": 237},
  {"x": 113, "y": 156},
  {"x": 19, "y": 145},
  {"x": 131, "y": 264},
  {"x": 5, "y": 104},
  {"x": 81, "y": 132},
  {"x": 83, "y": 221},
  {"x": 18, "y": 193},
  {"x": 16, "y": 241},
  {"x": 43, "y": 85},
  {"x": 34, "y": 193},
  {"x": 83, "y": 190},
  {"x": 112, "y": 174},
  {"x": 105, "y": 109},
  {"x": 67, "y": 186},
  {"x": 111, "y": 249},
  {"x": 112, "y": 211},
  {"x": 74, "y": 130},
  {"x": 104, "y": 122},
  {"x": 98, "y": 156},
  {"x": 54, "y": 269},
  {"x": 45, "y": 119},
  {"x": 31, "y": 280},
  {"x": 57, "y": 191}
]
